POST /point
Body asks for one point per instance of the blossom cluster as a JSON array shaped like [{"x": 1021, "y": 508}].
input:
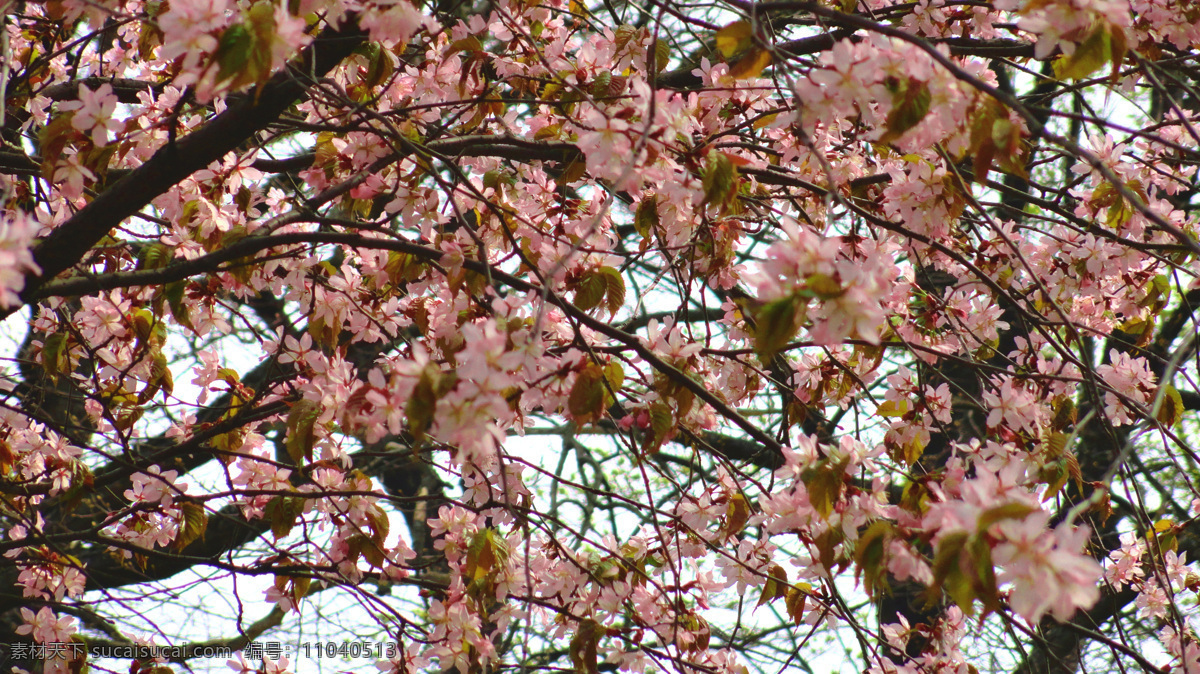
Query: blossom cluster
[{"x": 841, "y": 324}]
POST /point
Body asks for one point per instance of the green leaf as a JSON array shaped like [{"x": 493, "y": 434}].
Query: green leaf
[
  {"x": 154, "y": 256},
  {"x": 584, "y": 649},
  {"x": 262, "y": 20},
  {"x": 824, "y": 286},
  {"x": 295, "y": 587},
  {"x": 609, "y": 570},
  {"x": 469, "y": 43},
  {"x": 573, "y": 171},
  {"x": 402, "y": 267},
  {"x": 962, "y": 567},
  {"x": 719, "y": 178},
  {"x": 261, "y": 17},
  {"x": 751, "y": 65},
  {"x": 983, "y": 145},
  {"x": 586, "y": 399},
  {"x": 148, "y": 328},
  {"x": 175, "y": 293},
  {"x": 734, "y": 38},
  {"x": 1119, "y": 213},
  {"x": 614, "y": 374},
  {"x": 1065, "y": 414},
  {"x": 159, "y": 378},
  {"x": 910, "y": 104},
  {"x": 1089, "y": 56},
  {"x": 1170, "y": 410},
  {"x": 301, "y": 430},
  {"x": 698, "y": 627},
  {"x": 193, "y": 524},
  {"x": 1009, "y": 511},
  {"x": 1056, "y": 444},
  {"x": 378, "y": 522},
  {"x": 776, "y": 585},
  {"x": 614, "y": 379},
  {"x": 870, "y": 554},
  {"x": 775, "y": 324},
  {"x": 685, "y": 399},
  {"x": 662, "y": 421},
  {"x": 646, "y": 219},
  {"x": 233, "y": 51},
  {"x": 911, "y": 451},
  {"x": 1163, "y": 537},
  {"x": 825, "y": 482},
  {"x": 1009, "y": 153},
  {"x": 487, "y": 551},
  {"x": 1158, "y": 294},
  {"x": 614, "y": 286},
  {"x": 948, "y": 574},
  {"x": 984, "y": 578},
  {"x": 244, "y": 50},
  {"x": 624, "y": 33},
  {"x": 1054, "y": 473},
  {"x": 421, "y": 404},
  {"x": 282, "y": 512},
  {"x": 893, "y": 408},
  {"x": 599, "y": 86},
  {"x": 590, "y": 291},
  {"x": 380, "y": 66},
  {"x": 662, "y": 55},
  {"x": 53, "y": 138},
  {"x": 1119, "y": 48},
  {"x": 794, "y": 602},
  {"x": 373, "y": 552},
  {"x": 56, "y": 354},
  {"x": 737, "y": 513},
  {"x": 826, "y": 544}
]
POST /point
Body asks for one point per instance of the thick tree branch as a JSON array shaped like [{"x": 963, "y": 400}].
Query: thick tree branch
[
  {"x": 126, "y": 90},
  {"x": 67, "y": 244},
  {"x": 250, "y": 245}
]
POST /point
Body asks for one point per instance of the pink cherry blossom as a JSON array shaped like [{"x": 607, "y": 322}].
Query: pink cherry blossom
[
  {"x": 16, "y": 260},
  {"x": 94, "y": 113},
  {"x": 45, "y": 627}
]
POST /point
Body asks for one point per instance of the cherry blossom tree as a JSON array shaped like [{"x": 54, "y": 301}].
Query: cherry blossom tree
[{"x": 544, "y": 335}]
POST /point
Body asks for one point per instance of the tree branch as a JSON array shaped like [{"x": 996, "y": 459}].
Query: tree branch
[{"x": 67, "y": 244}]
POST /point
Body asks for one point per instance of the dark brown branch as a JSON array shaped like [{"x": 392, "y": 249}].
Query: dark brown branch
[
  {"x": 70, "y": 241},
  {"x": 18, "y": 163},
  {"x": 684, "y": 79},
  {"x": 126, "y": 90},
  {"x": 250, "y": 245},
  {"x": 227, "y": 530},
  {"x": 288, "y": 165}
]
